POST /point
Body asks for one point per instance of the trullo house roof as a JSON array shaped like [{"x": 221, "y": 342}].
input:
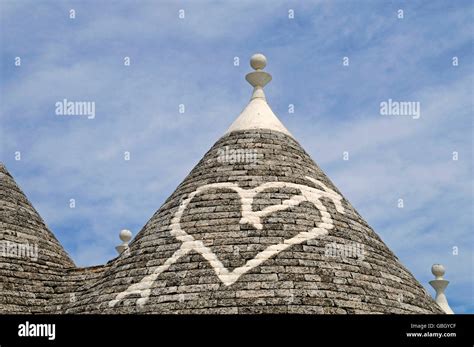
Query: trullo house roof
[{"x": 256, "y": 227}]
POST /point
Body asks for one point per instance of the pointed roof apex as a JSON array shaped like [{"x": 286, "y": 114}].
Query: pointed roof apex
[
  {"x": 22, "y": 225},
  {"x": 258, "y": 114}
]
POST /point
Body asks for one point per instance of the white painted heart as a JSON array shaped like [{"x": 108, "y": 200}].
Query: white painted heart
[{"x": 313, "y": 195}]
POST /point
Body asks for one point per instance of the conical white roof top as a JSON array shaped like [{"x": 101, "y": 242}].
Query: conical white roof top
[{"x": 258, "y": 114}]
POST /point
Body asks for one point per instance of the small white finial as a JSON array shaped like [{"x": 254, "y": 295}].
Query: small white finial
[
  {"x": 258, "y": 61},
  {"x": 125, "y": 235},
  {"x": 440, "y": 284},
  {"x": 438, "y": 271},
  {"x": 258, "y": 114},
  {"x": 258, "y": 78}
]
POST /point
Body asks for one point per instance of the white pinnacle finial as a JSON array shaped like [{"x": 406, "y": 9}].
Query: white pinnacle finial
[
  {"x": 440, "y": 284},
  {"x": 258, "y": 79},
  {"x": 258, "y": 61},
  {"x": 258, "y": 114},
  {"x": 438, "y": 271},
  {"x": 125, "y": 235}
]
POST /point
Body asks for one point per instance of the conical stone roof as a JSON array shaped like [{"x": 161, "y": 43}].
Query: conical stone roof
[
  {"x": 31, "y": 259},
  {"x": 255, "y": 227}
]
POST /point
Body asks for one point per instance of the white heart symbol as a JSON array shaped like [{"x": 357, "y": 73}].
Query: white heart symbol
[{"x": 227, "y": 277}]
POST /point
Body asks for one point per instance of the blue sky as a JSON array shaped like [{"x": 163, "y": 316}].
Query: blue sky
[{"x": 190, "y": 61}]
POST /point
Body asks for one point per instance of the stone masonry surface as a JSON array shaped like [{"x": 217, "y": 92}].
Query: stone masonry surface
[{"x": 303, "y": 278}]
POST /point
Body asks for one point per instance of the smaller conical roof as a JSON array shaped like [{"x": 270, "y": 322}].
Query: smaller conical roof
[{"x": 31, "y": 258}]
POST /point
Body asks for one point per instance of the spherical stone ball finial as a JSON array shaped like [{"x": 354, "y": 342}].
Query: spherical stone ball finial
[
  {"x": 258, "y": 61},
  {"x": 125, "y": 235},
  {"x": 438, "y": 270}
]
